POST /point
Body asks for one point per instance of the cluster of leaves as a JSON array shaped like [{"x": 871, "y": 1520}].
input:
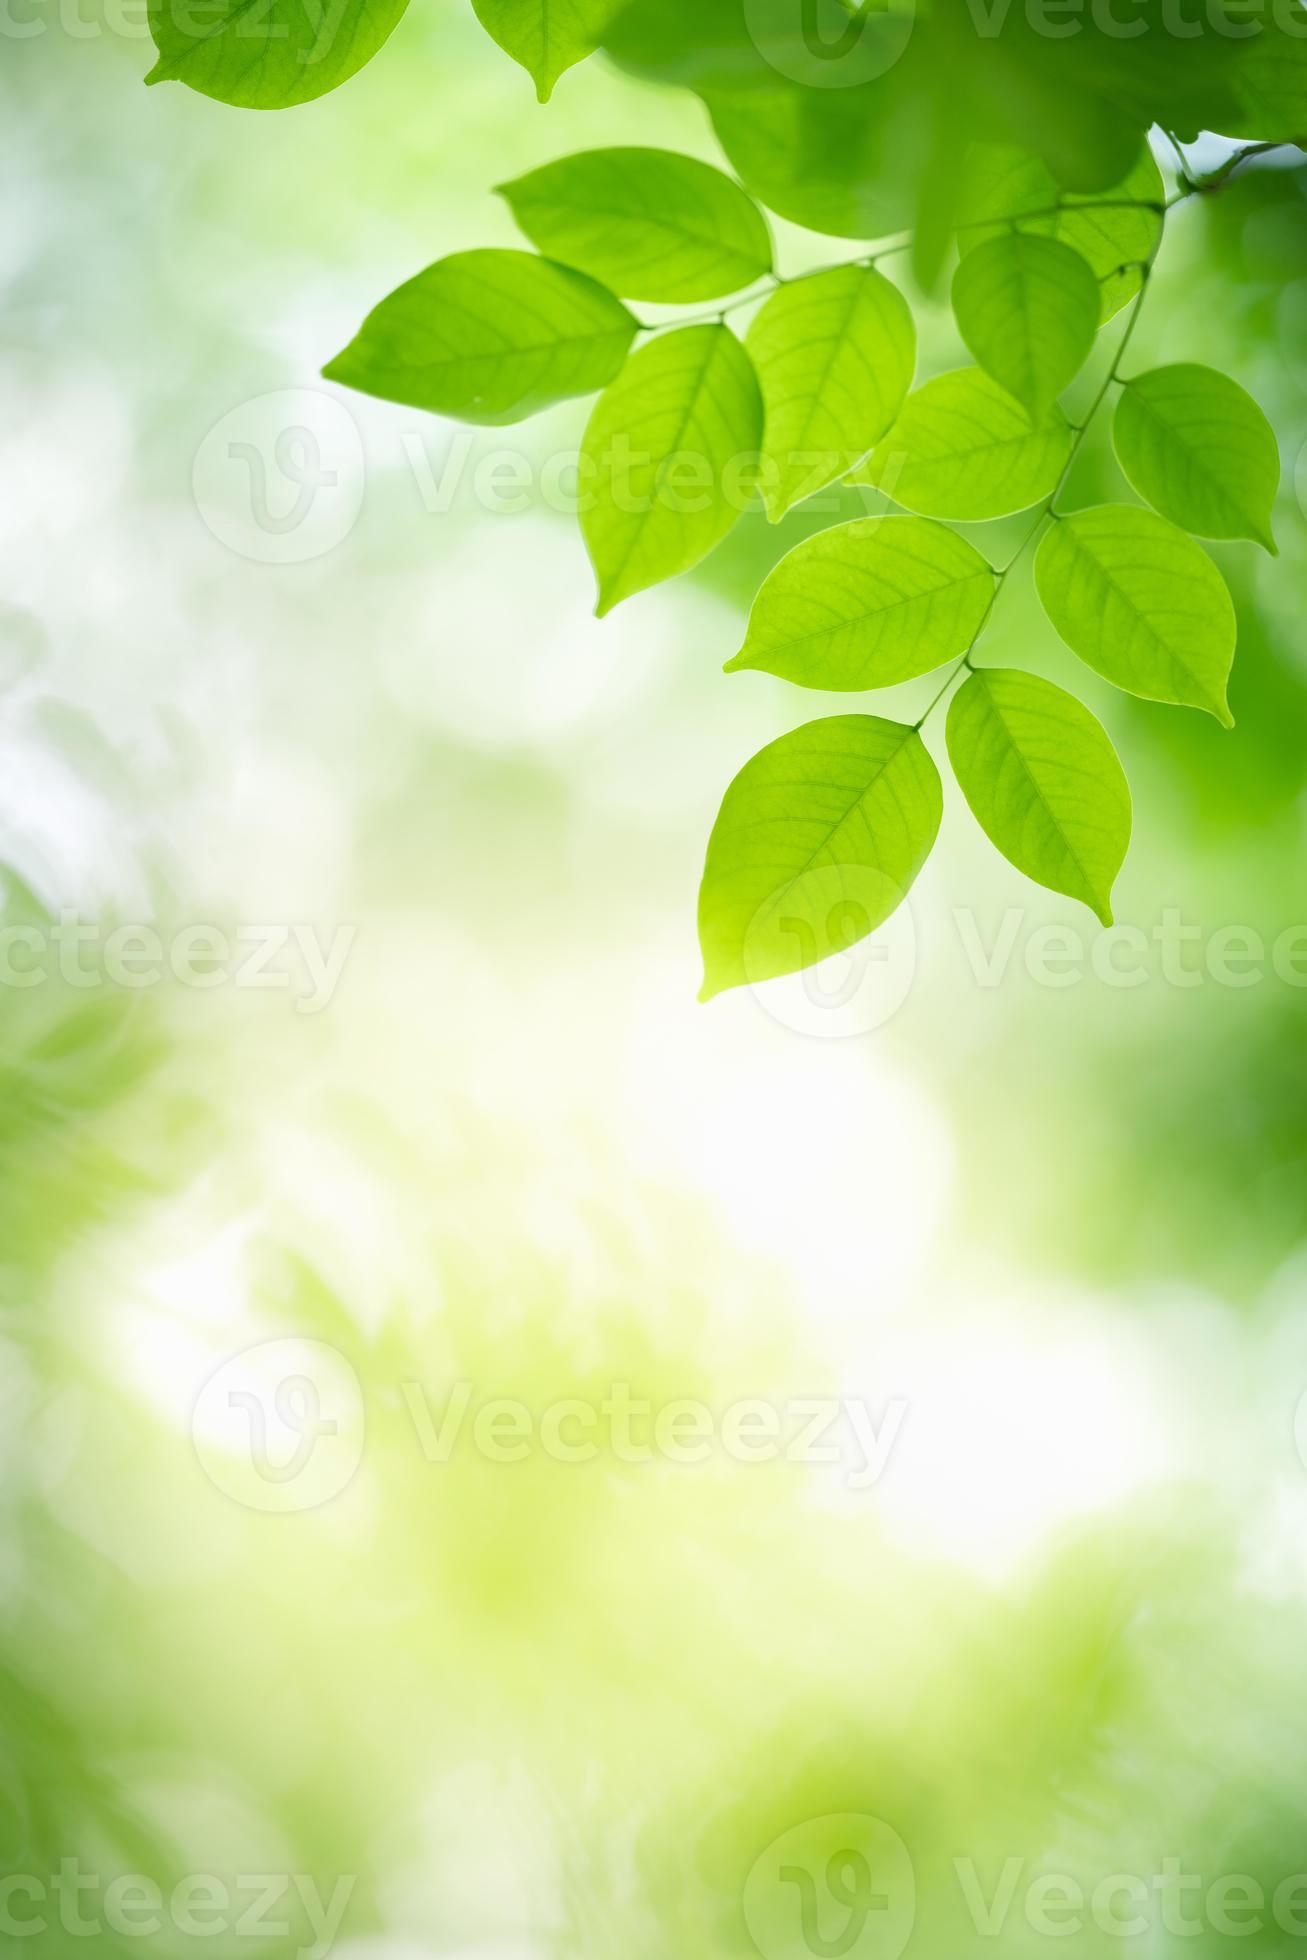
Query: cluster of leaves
[{"x": 820, "y": 836}]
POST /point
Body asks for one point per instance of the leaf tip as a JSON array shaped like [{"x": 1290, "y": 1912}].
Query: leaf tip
[
  {"x": 737, "y": 663},
  {"x": 157, "y": 74}
]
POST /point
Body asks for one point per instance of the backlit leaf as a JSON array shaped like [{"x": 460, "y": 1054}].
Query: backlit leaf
[
  {"x": 648, "y": 223},
  {"x": 1043, "y": 782},
  {"x": 963, "y": 448},
  {"x": 817, "y": 842},
  {"x": 1116, "y": 230},
  {"x": 489, "y": 337},
  {"x": 1027, "y": 308},
  {"x": 273, "y": 55},
  {"x": 868, "y": 604},
  {"x": 669, "y": 459},
  {"x": 827, "y": 158},
  {"x": 1141, "y": 604},
  {"x": 835, "y": 355},
  {"x": 547, "y": 37},
  {"x": 1200, "y": 450}
]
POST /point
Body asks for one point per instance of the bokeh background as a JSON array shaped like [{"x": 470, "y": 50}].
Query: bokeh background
[{"x": 543, "y": 1709}]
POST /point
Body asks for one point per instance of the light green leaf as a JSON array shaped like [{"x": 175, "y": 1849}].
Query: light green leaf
[
  {"x": 489, "y": 337},
  {"x": 1201, "y": 451},
  {"x": 1043, "y": 782},
  {"x": 648, "y": 223},
  {"x": 835, "y": 355},
  {"x": 271, "y": 56},
  {"x": 1115, "y": 230},
  {"x": 963, "y": 448},
  {"x": 547, "y": 37},
  {"x": 1028, "y": 310},
  {"x": 1141, "y": 604},
  {"x": 670, "y": 459},
  {"x": 817, "y": 841},
  {"x": 868, "y": 604}
]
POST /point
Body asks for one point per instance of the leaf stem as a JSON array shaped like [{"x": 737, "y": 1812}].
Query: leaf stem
[
  {"x": 1048, "y": 508},
  {"x": 1188, "y": 186},
  {"x": 1216, "y": 180},
  {"x": 773, "y": 281}
]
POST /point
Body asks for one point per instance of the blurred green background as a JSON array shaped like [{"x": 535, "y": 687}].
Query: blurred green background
[{"x": 538, "y": 1708}]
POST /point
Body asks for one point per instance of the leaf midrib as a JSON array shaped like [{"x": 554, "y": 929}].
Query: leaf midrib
[
  {"x": 1033, "y": 780},
  {"x": 1142, "y": 402},
  {"x": 874, "y": 612},
  {"x": 779, "y": 897},
  {"x": 687, "y": 417}
]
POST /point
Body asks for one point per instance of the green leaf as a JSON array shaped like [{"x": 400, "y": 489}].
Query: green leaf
[
  {"x": 1269, "y": 79},
  {"x": 272, "y": 55},
  {"x": 1114, "y": 230},
  {"x": 835, "y": 355},
  {"x": 817, "y": 842},
  {"x": 490, "y": 337},
  {"x": 648, "y": 223},
  {"x": 1043, "y": 782},
  {"x": 669, "y": 458},
  {"x": 1201, "y": 451},
  {"x": 830, "y": 159},
  {"x": 1028, "y": 310},
  {"x": 868, "y": 604},
  {"x": 963, "y": 448},
  {"x": 1141, "y": 604},
  {"x": 547, "y": 37}
]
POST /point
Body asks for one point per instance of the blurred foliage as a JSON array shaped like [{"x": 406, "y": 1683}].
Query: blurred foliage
[{"x": 549, "y": 1710}]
